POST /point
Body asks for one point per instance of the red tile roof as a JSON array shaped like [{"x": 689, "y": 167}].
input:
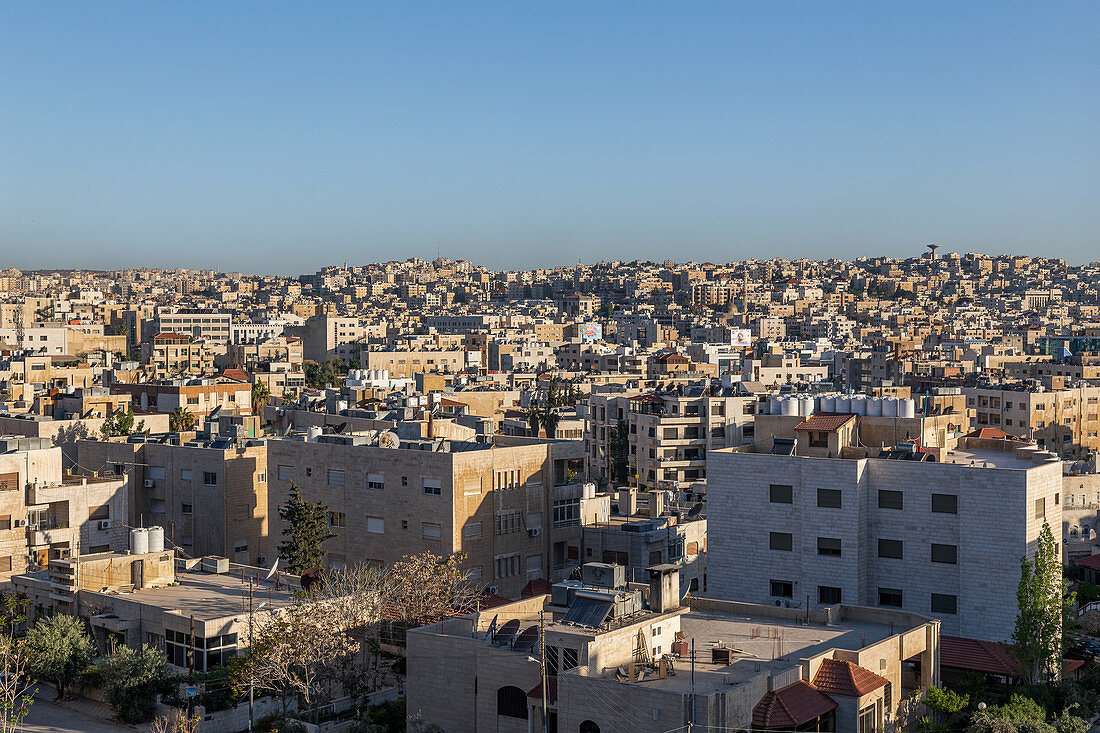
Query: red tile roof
[
  {"x": 791, "y": 706},
  {"x": 551, "y": 690},
  {"x": 838, "y": 677},
  {"x": 825, "y": 421},
  {"x": 236, "y": 374},
  {"x": 1092, "y": 561},
  {"x": 988, "y": 657}
]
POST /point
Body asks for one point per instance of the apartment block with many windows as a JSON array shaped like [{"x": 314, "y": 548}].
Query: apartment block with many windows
[{"x": 940, "y": 535}]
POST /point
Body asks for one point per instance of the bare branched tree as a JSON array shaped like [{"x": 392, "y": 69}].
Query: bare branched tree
[
  {"x": 16, "y": 693},
  {"x": 178, "y": 724}
]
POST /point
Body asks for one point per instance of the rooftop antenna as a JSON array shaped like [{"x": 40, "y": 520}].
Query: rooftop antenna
[{"x": 933, "y": 247}]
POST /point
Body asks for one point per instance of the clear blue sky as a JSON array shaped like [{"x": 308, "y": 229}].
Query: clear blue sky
[{"x": 277, "y": 137}]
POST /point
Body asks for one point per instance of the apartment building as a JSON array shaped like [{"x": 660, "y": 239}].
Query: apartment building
[
  {"x": 1059, "y": 418},
  {"x": 513, "y": 506},
  {"x": 46, "y": 515},
  {"x": 172, "y": 354},
  {"x": 198, "y": 396},
  {"x": 934, "y": 533},
  {"x": 617, "y": 664},
  {"x": 199, "y": 324},
  {"x": 210, "y": 495},
  {"x": 669, "y": 433}
]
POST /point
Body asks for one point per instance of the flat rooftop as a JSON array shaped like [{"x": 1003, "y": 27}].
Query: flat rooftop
[
  {"x": 989, "y": 458},
  {"x": 209, "y": 596},
  {"x": 762, "y": 644}
]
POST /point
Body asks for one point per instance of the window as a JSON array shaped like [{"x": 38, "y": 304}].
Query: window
[
  {"x": 945, "y": 503},
  {"x": 335, "y": 477},
  {"x": 828, "y": 595},
  {"x": 376, "y": 525},
  {"x": 209, "y": 478},
  {"x": 432, "y": 486},
  {"x": 890, "y": 499},
  {"x": 568, "y": 658},
  {"x": 512, "y": 703},
  {"x": 261, "y": 478},
  {"x": 567, "y": 512},
  {"x": 286, "y": 473},
  {"x": 889, "y": 548},
  {"x": 867, "y": 720},
  {"x": 945, "y": 553},
  {"x": 5, "y": 564},
  {"x": 471, "y": 531},
  {"x": 942, "y": 603},
  {"x": 185, "y": 474},
  {"x": 240, "y": 546},
  {"x": 376, "y": 481},
  {"x": 404, "y": 480},
  {"x": 782, "y": 588},
  {"x": 889, "y": 597},
  {"x": 1040, "y": 508},
  {"x": 781, "y": 541},
  {"x": 829, "y": 546},
  {"x": 781, "y": 494},
  {"x": 534, "y": 563},
  {"x": 186, "y": 508},
  {"x": 5, "y": 521},
  {"x": 405, "y": 524},
  {"x": 102, "y": 511},
  {"x": 336, "y": 519},
  {"x": 431, "y": 530},
  {"x": 829, "y": 498}
]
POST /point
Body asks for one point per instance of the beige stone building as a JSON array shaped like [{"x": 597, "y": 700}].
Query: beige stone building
[
  {"x": 46, "y": 515},
  {"x": 513, "y": 506},
  {"x": 209, "y": 495},
  {"x": 1058, "y": 418},
  {"x": 613, "y": 667}
]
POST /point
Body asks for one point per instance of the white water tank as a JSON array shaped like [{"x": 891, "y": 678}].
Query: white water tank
[
  {"x": 806, "y": 406},
  {"x": 156, "y": 539},
  {"x": 889, "y": 406},
  {"x": 907, "y": 407},
  {"x": 828, "y": 403},
  {"x": 874, "y": 407},
  {"x": 843, "y": 404},
  {"x": 858, "y": 405},
  {"x": 139, "y": 541},
  {"x": 313, "y": 432},
  {"x": 788, "y": 405},
  {"x": 773, "y": 406}
]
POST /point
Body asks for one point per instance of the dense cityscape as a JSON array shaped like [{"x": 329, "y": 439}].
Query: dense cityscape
[{"x": 762, "y": 495}]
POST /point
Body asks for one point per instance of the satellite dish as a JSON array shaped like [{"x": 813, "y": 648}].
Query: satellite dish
[{"x": 388, "y": 439}]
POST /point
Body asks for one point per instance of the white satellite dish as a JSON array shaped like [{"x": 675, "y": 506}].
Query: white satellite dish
[{"x": 388, "y": 439}]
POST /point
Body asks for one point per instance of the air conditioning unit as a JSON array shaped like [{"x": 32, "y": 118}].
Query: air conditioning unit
[
  {"x": 150, "y": 483},
  {"x": 105, "y": 524},
  {"x": 20, "y": 522},
  {"x": 534, "y": 531}
]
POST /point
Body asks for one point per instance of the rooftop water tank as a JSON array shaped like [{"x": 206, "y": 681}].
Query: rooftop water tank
[
  {"x": 139, "y": 541},
  {"x": 843, "y": 404},
  {"x": 156, "y": 539},
  {"x": 806, "y": 406},
  {"x": 874, "y": 407},
  {"x": 907, "y": 407},
  {"x": 889, "y": 406}
]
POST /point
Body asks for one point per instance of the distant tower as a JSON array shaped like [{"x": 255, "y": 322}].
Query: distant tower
[{"x": 933, "y": 247}]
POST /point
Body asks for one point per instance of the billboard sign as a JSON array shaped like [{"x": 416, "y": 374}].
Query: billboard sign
[
  {"x": 591, "y": 331},
  {"x": 741, "y": 338}
]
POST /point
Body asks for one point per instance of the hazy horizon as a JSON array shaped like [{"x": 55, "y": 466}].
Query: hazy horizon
[{"x": 268, "y": 138}]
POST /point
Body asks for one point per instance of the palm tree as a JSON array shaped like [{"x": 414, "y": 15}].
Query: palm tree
[
  {"x": 260, "y": 397},
  {"x": 181, "y": 419},
  {"x": 550, "y": 420}
]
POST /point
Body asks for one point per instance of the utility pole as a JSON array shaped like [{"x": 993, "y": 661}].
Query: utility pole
[{"x": 542, "y": 668}]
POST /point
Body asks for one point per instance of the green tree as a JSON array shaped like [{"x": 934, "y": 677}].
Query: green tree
[
  {"x": 180, "y": 419},
  {"x": 260, "y": 397},
  {"x": 121, "y": 423},
  {"x": 1043, "y": 600},
  {"x": 550, "y": 420},
  {"x": 133, "y": 679},
  {"x": 306, "y": 532},
  {"x": 58, "y": 649}
]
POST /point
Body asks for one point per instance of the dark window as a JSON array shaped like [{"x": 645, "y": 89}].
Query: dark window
[
  {"x": 512, "y": 702},
  {"x": 781, "y": 541},
  {"x": 889, "y": 597},
  {"x": 781, "y": 494},
  {"x": 186, "y": 508},
  {"x": 829, "y": 498},
  {"x": 589, "y": 727},
  {"x": 568, "y": 658},
  {"x": 945, "y": 553},
  {"x": 942, "y": 603},
  {"x": 945, "y": 503},
  {"x": 890, "y": 499},
  {"x": 783, "y": 588},
  {"x": 827, "y": 595},
  {"x": 828, "y": 546},
  {"x": 889, "y": 548},
  {"x": 209, "y": 479}
]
